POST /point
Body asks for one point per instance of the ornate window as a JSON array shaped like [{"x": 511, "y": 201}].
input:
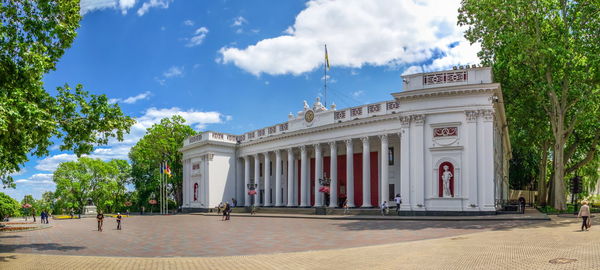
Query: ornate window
[
  {"x": 356, "y": 112},
  {"x": 339, "y": 115},
  {"x": 374, "y": 108}
]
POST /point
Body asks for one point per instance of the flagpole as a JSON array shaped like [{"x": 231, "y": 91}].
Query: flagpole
[
  {"x": 161, "y": 188},
  {"x": 166, "y": 191},
  {"x": 325, "y": 69}
]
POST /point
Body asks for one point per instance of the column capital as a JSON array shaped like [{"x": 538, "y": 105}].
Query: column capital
[
  {"x": 471, "y": 116},
  {"x": 405, "y": 121},
  {"x": 277, "y": 152},
  {"x": 383, "y": 137},
  {"x": 303, "y": 148},
  {"x": 256, "y": 156},
  {"x": 332, "y": 144},
  {"x": 488, "y": 115},
  {"x": 317, "y": 146},
  {"x": 364, "y": 140},
  {"x": 348, "y": 141},
  {"x": 419, "y": 119},
  {"x": 266, "y": 153}
]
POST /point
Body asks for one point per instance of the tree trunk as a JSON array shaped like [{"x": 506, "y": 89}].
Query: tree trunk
[
  {"x": 542, "y": 187},
  {"x": 560, "y": 200}
]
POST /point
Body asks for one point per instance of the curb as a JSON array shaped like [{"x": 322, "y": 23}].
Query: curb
[{"x": 542, "y": 218}]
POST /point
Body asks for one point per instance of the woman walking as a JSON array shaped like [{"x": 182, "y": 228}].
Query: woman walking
[
  {"x": 100, "y": 218},
  {"x": 584, "y": 213},
  {"x": 345, "y": 206}
]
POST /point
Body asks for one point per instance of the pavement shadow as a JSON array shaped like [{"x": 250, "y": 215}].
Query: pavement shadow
[
  {"x": 7, "y": 258},
  {"x": 37, "y": 247},
  {"x": 427, "y": 224},
  {"x": 10, "y": 236}
]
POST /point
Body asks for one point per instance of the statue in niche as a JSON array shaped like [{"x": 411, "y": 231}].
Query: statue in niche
[{"x": 446, "y": 176}]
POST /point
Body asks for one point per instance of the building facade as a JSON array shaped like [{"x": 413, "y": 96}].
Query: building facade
[{"x": 442, "y": 144}]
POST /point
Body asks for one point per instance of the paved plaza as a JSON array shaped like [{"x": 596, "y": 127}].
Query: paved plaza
[{"x": 205, "y": 242}]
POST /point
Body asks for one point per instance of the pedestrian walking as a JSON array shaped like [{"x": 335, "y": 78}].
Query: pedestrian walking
[
  {"x": 43, "y": 217},
  {"x": 71, "y": 213},
  {"x": 584, "y": 213},
  {"x": 119, "y": 217},
  {"x": 345, "y": 206},
  {"x": 100, "y": 219},
  {"x": 226, "y": 209},
  {"x": 47, "y": 216},
  {"x": 384, "y": 208},
  {"x": 398, "y": 201},
  {"x": 127, "y": 212},
  {"x": 252, "y": 210},
  {"x": 33, "y": 214}
]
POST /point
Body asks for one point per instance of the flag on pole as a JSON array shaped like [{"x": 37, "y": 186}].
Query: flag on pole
[
  {"x": 167, "y": 169},
  {"x": 326, "y": 58}
]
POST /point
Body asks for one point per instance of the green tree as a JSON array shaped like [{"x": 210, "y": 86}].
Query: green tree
[
  {"x": 33, "y": 36},
  {"x": 549, "y": 52},
  {"x": 9, "y": 207},
  {"x": 33, "y": 210},
  {"x": 161, "y": 143},
  {"x": 87, "y": 178}
]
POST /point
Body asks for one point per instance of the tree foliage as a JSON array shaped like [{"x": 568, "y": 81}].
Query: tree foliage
[
  {"x": 9, "y": 207},
  {"x": 546, "y": 55},
  {"x": 33, "y": 37},
  {"x": 84, "y": 179},
  {"x": 161, "y": 143}
]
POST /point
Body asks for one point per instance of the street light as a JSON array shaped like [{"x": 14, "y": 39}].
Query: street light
[
  {"x": 325, "y": 182},
  {"x": 252, "y": 192}
]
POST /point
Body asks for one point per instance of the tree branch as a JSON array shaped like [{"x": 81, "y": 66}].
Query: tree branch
[{"x": 590, "y": 155}]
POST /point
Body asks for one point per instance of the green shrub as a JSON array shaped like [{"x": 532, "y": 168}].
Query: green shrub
[{"x": 9, "y": 207}]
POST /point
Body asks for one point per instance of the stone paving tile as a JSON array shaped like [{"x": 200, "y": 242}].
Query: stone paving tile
[
  {"x": 194, "y": 235},
  {"x": 503, "y": 246}
]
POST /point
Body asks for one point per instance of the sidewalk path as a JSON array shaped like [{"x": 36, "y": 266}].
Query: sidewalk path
[{"x": 530, "y": 247}]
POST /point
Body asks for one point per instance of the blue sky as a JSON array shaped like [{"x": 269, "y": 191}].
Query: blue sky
[{"x": 237, "y": 65}]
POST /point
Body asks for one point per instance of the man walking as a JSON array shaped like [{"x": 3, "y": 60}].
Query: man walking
[
  {"x": 119, "y": 217},
  {"x": 398, "y": 201}
]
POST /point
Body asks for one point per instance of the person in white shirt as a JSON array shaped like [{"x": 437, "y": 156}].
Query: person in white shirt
[
  {"x": 384, "y": 208},
  {"x": 398, "y": 201},
  {"x": 584, "y": 212}
]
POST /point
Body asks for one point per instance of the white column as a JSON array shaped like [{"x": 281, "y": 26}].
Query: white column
[
  {"x": 406, "y": 185},
  {"x": 418, "y": 161},
  {"x": 278, "y": 201},
  {"x": 470, "y": 170},
  {"x": 290, "y": 178},
  {"x": 303, "y": 176},
  {"x": 318, "y": 174},
  {"x": 385, "y": 188},
  {"x": 333, "y": 195},
  {"x": 350, "y": 172},
  {"x": 267, "y": 177},
  {"x": 487, "y": 161},
  {"x": 186, "y": 184},
  {"x": 257, "y": 179},
  {"x": 366, "y": 172},
  {"x": 246, "y": 180}
]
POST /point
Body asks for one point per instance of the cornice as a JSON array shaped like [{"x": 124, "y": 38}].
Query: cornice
[{"x": 447, "y": 91}]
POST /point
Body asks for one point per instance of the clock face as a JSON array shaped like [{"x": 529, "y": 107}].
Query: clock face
[{"x": 309, "y": 116}]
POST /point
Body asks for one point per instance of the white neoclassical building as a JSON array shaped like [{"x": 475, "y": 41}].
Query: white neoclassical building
[{"x": 442, "y": 144}]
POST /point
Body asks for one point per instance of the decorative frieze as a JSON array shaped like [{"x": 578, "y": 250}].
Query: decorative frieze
[
  {"x": 355, "y": 111},
  {"x": 488, "y": 115},
  {"x": 445, "y": 132},
  {"x": 283, "y": 127},
  {"x": 405, "y": 120},
  {"x": 232, "y": 138},
  {"x": 217, "y": 136},
  {"x": 339, "y": 115},
  {"x": 195, "y": 138},
  {"x": 272, "y": 130},
  {"x": 392, "y": 105},
  {"x": 261, "y": 132},
  {"x": 445, "y": 77},
  {"x": 374, "y": 108}
]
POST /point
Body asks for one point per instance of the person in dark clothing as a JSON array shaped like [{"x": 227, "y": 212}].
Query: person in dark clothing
[
  {"x": 233, "y": 202},
  {"x": 119, "y": 217},
  {"x": 226, "y": 209},
  {"x": 100, "y": 218}
]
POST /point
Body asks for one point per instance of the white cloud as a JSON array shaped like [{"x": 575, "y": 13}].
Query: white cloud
[
  {"x": 188, "y": 22},
  {"x": 173, "y": 71},
  {"x": 239, "y": 21},
  {"x": 198, "y": 37},
  {"x": 92, "y": 5},
  {"x": 133, "y": 99},
  {"x": 50, "y": 164},
  {"x": 357, "y": 94},
  {"x": 359, "y": 33},
  {"x": 38, "y": 178},
  {"x": 152, "y": 4}
]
